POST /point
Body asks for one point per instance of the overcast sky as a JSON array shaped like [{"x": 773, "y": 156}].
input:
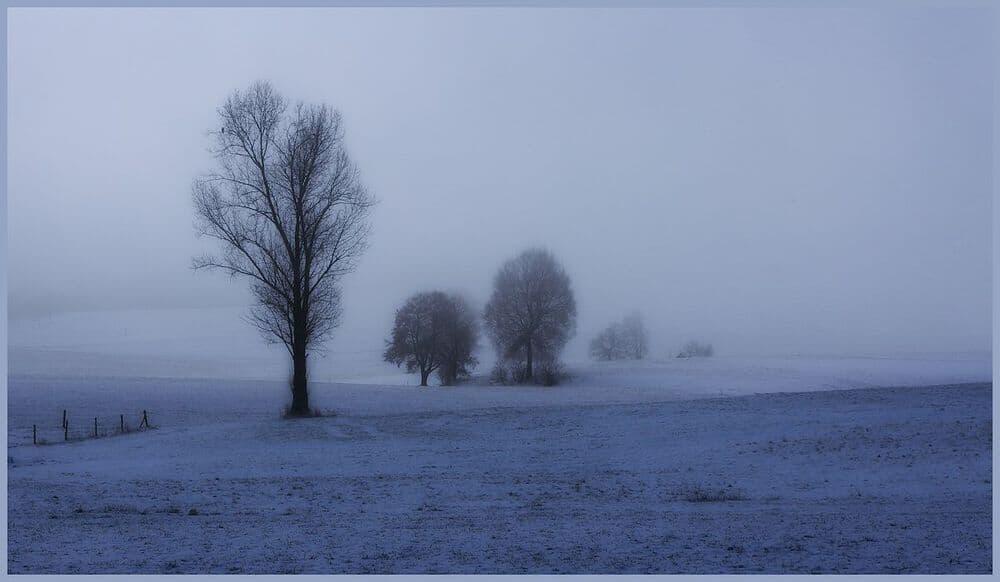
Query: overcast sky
[{"x": 771, "y": 180}]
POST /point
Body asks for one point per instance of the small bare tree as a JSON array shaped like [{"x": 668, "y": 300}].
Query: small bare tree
[
  {"x": 621, "y": 340},
  {"x": 433, "y": 331},
  {"x": 636, "y": 340},
  {"x": 291, "y": 213},
  {"x": 608, "y": 345},
  {"x": 532, "y": 313}
]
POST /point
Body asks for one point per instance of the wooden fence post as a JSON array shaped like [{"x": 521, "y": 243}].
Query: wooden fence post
[
  {"x": 64, "y": 418},
  {"x": 34, "y": 434},
  {"x": 66, "y": 431},
  {"x": 122, "y": 420},
  {"x": 95, "y": 427}
]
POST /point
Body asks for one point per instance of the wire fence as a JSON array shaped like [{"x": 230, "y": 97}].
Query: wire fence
[{"x": 70, "y": 429}]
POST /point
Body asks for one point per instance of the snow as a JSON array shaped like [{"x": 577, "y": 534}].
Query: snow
[
  {"x": 801, "y": 466},
  {"x": 39, "y": 399}
]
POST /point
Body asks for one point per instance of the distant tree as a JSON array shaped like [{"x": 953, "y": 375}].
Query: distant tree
[
  {"x": 291, "y": 213},
  {"x": 635, "y": 337},
  {"x": 694, "y": 349},
  {"x": 433, "y": 332},
  {"x": 608, "y": 344},
  {"x": 531, "y": 313},
  {"x": 621, "y": 341}
]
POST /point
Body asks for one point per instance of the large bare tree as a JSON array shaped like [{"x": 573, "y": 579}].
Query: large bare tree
[
  {"x": 291, "y": 213},
  {"x": 532, "y": 313}
]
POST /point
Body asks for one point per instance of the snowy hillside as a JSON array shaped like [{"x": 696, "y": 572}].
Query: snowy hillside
[{"x": 873, "y": 480}]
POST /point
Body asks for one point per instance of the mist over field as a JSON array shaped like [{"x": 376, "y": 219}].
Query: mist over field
[
  {"x": 840, "y": 205},
  {"x": 500, "y": 290}
]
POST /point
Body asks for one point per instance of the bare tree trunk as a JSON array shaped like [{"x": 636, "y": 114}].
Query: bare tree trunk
[
  {"x": 300, "y": 382},
  {"x": 528, "y": 372},
  {"x": 423, "y": 376},
  {"x": 300, "y": 393}
]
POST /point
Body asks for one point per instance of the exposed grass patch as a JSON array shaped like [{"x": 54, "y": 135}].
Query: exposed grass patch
[
  {"x": 119, "y": 508},
  {"x": 714, "y": 495}
]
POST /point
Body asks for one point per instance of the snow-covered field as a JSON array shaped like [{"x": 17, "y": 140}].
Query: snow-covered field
[{"x": 698, "y": 466}]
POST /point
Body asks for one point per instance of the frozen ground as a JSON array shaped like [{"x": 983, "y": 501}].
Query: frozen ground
[
  {"x": 40, "y": 397},
  {"x": 618, "y": 471}
]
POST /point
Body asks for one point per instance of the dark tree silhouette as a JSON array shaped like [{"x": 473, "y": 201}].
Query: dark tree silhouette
[
  {"x": 433, "y": 331},
  {"x": 292, "y": 214},
  {"x": 461, "y": 338},
  {"x": 532, "y": 313}
]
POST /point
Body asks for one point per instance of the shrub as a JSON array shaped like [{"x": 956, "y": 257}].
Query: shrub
[
  {"x": 552, "y": 373},
  {"x": 499, "y": 374},
  {"x": 547, "y": 373}
]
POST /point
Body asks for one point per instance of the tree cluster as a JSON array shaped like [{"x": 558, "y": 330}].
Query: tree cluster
[
  {"x": 530, "y": 316},
  {"x": 288, "y": 206}
]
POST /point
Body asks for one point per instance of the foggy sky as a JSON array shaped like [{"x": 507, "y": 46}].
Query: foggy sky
[{"x": 771, "y": 180}]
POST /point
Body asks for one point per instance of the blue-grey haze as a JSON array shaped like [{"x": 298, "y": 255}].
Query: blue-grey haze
[{"x": 775, "y": 180}]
